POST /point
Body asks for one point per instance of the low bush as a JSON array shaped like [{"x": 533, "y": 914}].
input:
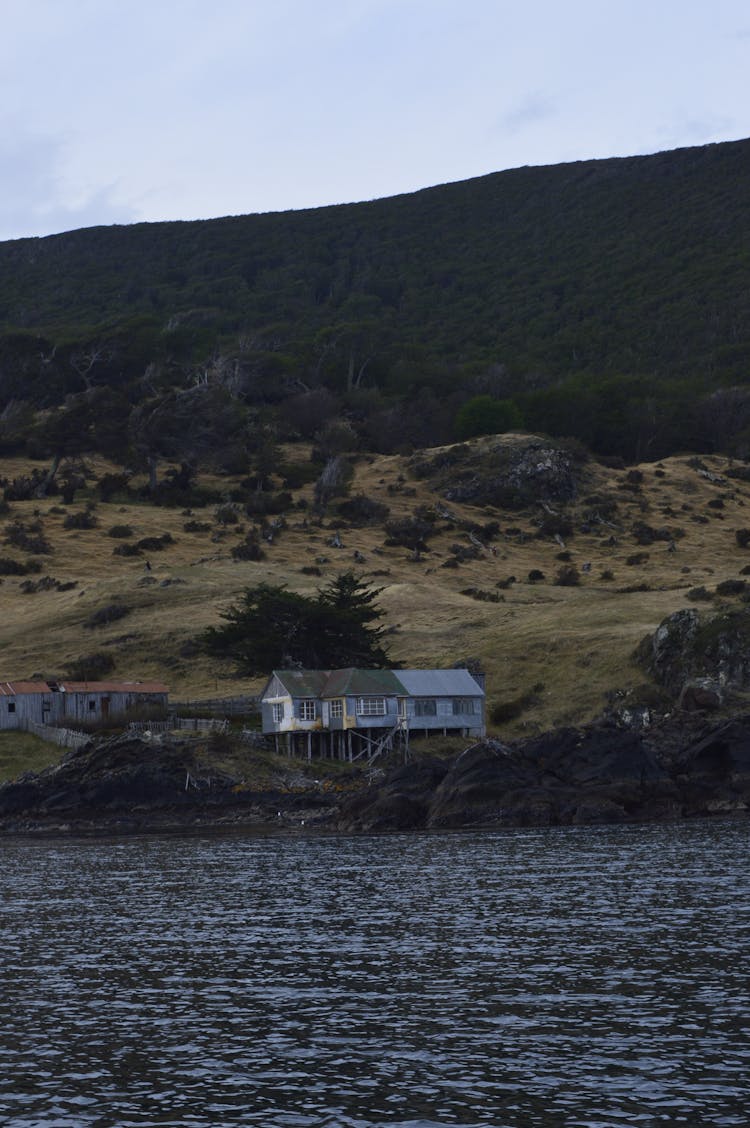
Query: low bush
[
  {"x": 11, "y": 567},
  {"x": 155, "y": 544},
  {"x": 120, "y": 531},
  {"x": 107, "y": 614},
  {"x": 731, "y": 587},
  {"x": 28, "y": 537},
  {"x": 91, "y": 667},
  {"x": 248, "y": 549},
  {"x": 362, "y": 510},
  {"x": 86, "y": 519},
  {"x": 567, "y": 576}
]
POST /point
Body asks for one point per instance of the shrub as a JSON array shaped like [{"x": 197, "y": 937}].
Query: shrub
[
  {"x": 362, "y": 510},
  {"x": 84, "y": 520},
  {"x": 506, "y": 583},
  {"x": 91, "y": 667},
  {"x": 11, "y": 567},
  {"x": 637, "y": 558},
  {"x": 154, "y": 544},
  {"x": 742, "y": 536},
  {"x": 226, "y": 515},
  {"x": 111, "y": 484},
  {"x": 120, "y": 531},
  {"x": 249, "y": 548},
  {"x": 535, "y": 576},
  {"x": 483, "y": 596},
  {"x": 697, "y": 594},
  {"x": 731, "y": 587},
  {"x": 28, "y": 537},
  {"x": 196, "y": 527},
  {"x": 126, "y": 550},
  {"x": 568, "y": 576},
  {"x": 108, "y": 614},
  {"x": 265, "y": 504}
]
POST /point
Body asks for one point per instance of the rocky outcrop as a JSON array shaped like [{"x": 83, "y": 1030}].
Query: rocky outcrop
[
  {"x": 700, "y": 656},
  {"x": 509, "y": 471},
  {"x": 601, "y": 774},
  {"x": 125, "y": 783},
  {"x": 608, "y": 772}
]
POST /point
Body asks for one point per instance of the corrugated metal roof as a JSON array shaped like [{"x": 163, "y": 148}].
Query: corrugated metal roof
[
  {"x": 13, "y": 689},
  {"x": 439, "y": 683},
  {"x": 362, "y": 683},
  {"x": 112, "y": 687},
  {"x": 303, "y": 683}
]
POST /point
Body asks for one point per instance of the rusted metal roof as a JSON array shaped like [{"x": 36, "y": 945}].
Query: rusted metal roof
[
  {"x": 111, "y": 687},
  {"x": 16, "y": 688}
]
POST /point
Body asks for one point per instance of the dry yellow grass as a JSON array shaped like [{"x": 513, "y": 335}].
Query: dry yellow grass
[{"x": 576, "y": 642}]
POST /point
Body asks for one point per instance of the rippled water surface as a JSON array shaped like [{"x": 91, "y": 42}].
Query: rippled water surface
[{"x": 574, "y": 977}]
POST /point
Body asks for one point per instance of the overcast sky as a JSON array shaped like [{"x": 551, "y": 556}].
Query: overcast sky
[{"x": 115, "y": 112}]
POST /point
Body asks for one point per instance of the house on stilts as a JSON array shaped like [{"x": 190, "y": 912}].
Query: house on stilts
[{"x": 345, "y": 714}]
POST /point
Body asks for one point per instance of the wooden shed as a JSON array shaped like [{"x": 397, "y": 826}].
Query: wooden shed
[{"x": 71, "y": 703}]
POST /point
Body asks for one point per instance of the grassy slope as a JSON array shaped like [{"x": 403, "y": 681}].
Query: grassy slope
[{"x": 576, "y": 641}]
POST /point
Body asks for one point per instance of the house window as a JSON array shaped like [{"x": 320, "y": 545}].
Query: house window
[
  {"x": 337, "y": 709},
  {"x": 11, "y": 706},
  {"x": 371, "y": 706},
  {"x": 307, "y": 709},
  {"x": 277, "y": 712},
  {"x": 92, "y": 706},
  {"x": 425, "y": 707},
  {"x": 463, "y": 705}
]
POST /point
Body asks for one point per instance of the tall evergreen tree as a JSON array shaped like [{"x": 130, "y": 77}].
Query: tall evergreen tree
[{"x": 272, "y": 628}]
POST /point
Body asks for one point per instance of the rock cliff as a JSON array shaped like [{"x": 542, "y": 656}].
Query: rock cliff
[{"x": 683, "y": 767}]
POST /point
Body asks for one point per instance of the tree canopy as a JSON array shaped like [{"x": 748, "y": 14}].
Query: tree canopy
[{"x": 274, "y": 628}]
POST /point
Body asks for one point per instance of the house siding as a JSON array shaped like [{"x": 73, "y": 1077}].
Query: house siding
[{"x": 399, "y": 690}]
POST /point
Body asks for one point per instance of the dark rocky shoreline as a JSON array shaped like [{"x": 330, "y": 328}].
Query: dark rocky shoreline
[{"x": 685, "y": 766}]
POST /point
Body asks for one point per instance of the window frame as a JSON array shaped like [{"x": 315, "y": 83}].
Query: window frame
[
  {"x": 308, "y": 709},
  {"x": 372, "y": 706}
]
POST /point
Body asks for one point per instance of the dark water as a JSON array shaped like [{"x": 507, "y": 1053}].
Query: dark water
[{"x": 570, "y": 977}]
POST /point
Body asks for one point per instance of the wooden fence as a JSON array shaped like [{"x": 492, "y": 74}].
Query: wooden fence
[
  {"x": 191, "y": 724},
  {"x": 66, "y": 738},
  {"x": 220, "y": 706}
]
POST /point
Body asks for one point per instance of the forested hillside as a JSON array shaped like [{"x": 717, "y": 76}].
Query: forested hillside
[{"x": 604, "y": 300}]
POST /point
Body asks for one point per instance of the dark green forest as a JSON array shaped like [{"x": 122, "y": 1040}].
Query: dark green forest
[{"x": 606, "y": 301}]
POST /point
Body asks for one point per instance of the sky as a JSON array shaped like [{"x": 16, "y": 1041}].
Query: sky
[{"x": 114, "y": 112}]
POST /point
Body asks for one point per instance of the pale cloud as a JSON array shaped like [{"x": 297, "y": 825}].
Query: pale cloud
[
  {"x": 167, "y": 109},
  {"x": 34, "y": 200}
]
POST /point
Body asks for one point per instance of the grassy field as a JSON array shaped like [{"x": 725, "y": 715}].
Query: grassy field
[
  {"x": 551, "y": 652},
  {"x": 22, "y": 752}
]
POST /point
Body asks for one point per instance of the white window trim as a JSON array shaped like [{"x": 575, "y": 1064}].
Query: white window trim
[
  {"x": 308, "y": 709},
  {"x": 277, "y": 712},
  {"x": 371, "y": 706},
  {"x": 337, "y": 709}
]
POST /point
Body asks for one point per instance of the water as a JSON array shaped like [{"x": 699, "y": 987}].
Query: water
[{"x": 572, "y": 977}]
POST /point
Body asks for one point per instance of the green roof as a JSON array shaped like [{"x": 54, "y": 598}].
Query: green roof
[{"x": 360, "y": 683}]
